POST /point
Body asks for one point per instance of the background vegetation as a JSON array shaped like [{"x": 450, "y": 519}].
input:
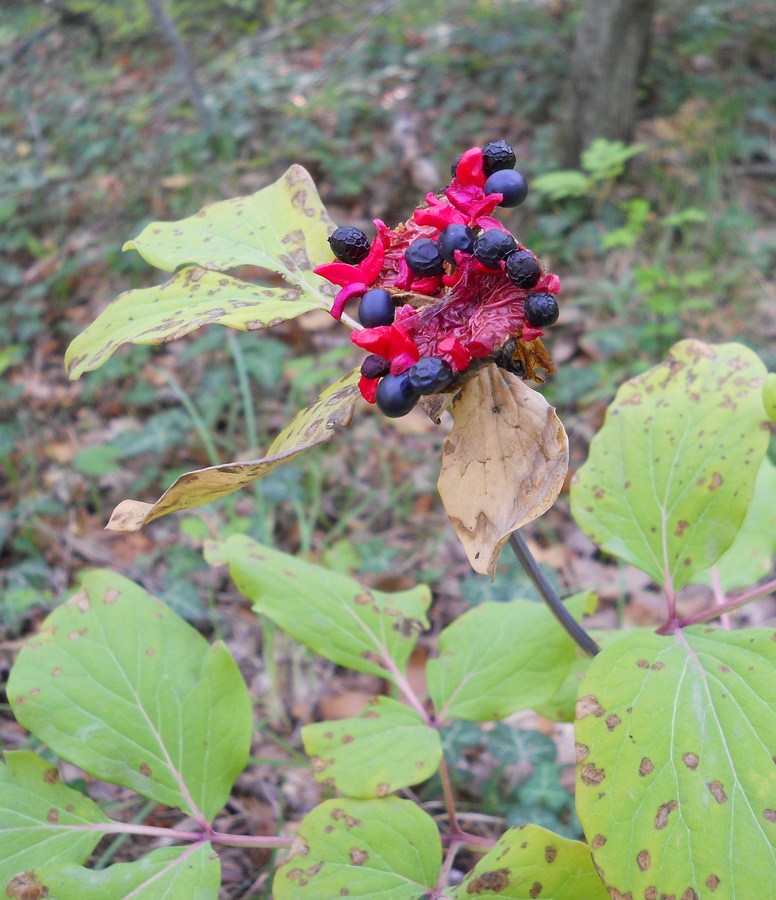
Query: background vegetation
[{"x": 101, "y": 132}]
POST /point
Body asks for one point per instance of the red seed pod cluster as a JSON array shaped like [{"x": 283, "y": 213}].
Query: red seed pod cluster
[{"x": 461, "y": 287}]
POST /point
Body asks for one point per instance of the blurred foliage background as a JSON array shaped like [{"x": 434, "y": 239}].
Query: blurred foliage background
[{"x": 102, "y": 129}]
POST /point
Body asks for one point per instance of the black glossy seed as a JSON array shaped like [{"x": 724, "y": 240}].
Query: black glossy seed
[
  {"x": 455, "y": 237},
  {"x": 429, "y": 375},
  {"x": 492, "y": 246},
  {"x": 454, "y": 167},
  {"x": 349, "y": 244},
  {"x": 510, "y": 183},
  {"x": 497, "y": 155},
  {"x": 376, "y": 308},
  {"x": 523, "y": 269},
  {"x": 394, "y": 396},
  {"x": 375, "y": 366},
  {"x": 423, "y": 257},
  {"x": 541, "y": 309}
]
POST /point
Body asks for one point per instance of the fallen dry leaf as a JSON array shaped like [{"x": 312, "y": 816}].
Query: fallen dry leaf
[{"x": 503, "y": 463}]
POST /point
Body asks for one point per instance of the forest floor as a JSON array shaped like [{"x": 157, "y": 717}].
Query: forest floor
[{"x": 99, "y": 135}]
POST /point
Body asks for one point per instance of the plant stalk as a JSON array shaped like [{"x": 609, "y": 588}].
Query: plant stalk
[{"x": 546, "y": 592}]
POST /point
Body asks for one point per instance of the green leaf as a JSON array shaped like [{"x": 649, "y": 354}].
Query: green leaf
[
  {"x": 670, "y": 475},
  {"x": 676, "y": 783},
  {"x": 530, "y": 862},
  {"x": 324, "y": 610},
  {"x": 385, "y": 747},
  {"x": 510, "y": 745},
  {"x": 283, "y": 227},
  {"x": 498, "y": 658},
  {"x": 769, "y": 395},
  {"x": 562, "y": 185},
  {"x": 606, "y": 159},
  {"x": 750, "y": 556},
  {"x": 193, "y": 297},
  {"x": 172, "y": 873},
  {"x": 118, "y": 684},
  {"x": 41, "y": 820},
  {"x": 544, "y": 788},
  {"x": 362, "y": 849},
  {"x": 314, "y": 425}
]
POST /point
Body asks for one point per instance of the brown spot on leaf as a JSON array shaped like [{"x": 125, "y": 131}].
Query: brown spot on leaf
[
  {"x": 663, "y": 811},
  {"x": 357, "y": 856},
  {"x": 51, "y": 776},
  {"x": 712, "y": 882},
  {"x": 583, "y": 751},
  {"x": 57, "y": 672},
  {"x": 344, "y": 892},
  {"x": 681, "y": 526},
  {"x": 74, "y": 635},
  {"x": 612, "y": 722},
  {"x": 590, "y": 775},
  {"x": 690, "y": 894},
  {"x": 550, "y": 852},
  {"x": 314, "y": 870},
  {"x": 716, "y": 481},
  {"x": 536, "y": 889},
  {"x": 642, "y": 663},
  {"x": 656, "y": 667},
  {"x": 347, "y": 738},
  {"x": 25, "y": 887},
  {"x": 770, "y": 814},
  {"x": 338, "y": 814},
  {"x": 150, "y": 651},
  {"x": 53, "y": 815},
  {"x": 588, "y": 706},
  {"x": 691, "y": 760},
  {"x": 145, "y": 769},
  {"x": 111, "y": 596},
  {"x": 294, "y": 873},
  {"x": 724, "y": 668},
  {"x": 646, "y": 767},
  {"x": 598, "y": 841},
  {"x": 351, "y": 821},
  {"x": 650, "y": 893},
  {"x": 494, "y": 881},
  {"x": 643, "y": 859},
  {"x": 383, "y": 789},
  {"x": 717, "y": 791}
]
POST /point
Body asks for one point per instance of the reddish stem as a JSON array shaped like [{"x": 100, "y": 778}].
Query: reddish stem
[{"x": 734, "y": 603}]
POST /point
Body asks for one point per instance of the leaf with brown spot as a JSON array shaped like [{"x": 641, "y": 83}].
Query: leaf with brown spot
[
  {"x": 367, "y": 848},
  {"x": 332, "y": 410},
  {"x": 530, "y": 862},
  {"x": 390, "y": 747},
  {"x": 692, "y": 791},
  {"x": 663, "y": 448},
  {"x": 175, "y": 727},
  {"x": 500, "y": 469},
  {"x": 29, "y": 835}
]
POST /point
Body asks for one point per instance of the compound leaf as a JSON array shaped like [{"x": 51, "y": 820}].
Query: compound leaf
[
  {"x": 314, "y": 425},
  {"x": 42, "y": 820},
  {"x": 193, "y": 297},
  {"x": 283, "y": 228},
  {"x": 530, "y": 862},
  {"x": 387, "y": 746},
  {"x": 172, "y": 873},
  {"x": 366, "y": 630},
  {"x": 362, "y": 849},
  {"x": 671, "y": 473},
  {"x": 118, "y": 684},
  {"x": 500, "y": 657},
  {"x": 676, "y": 783},
  {"x": 503, "y": 463}
]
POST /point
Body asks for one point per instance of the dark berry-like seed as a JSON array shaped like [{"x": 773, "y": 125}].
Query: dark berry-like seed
[
  {"x": 376, "y": 308},
  {"x": 349, "y": 244},
  {"x": 455, "y": 237},
  {"x": 394, "y": 396},
  {"x": 541, "y": 309},
  {"x": 429, "y": 375},
  {"x": 510, "y": 183},
  {"x": 454, "y": 167},
  {"x": 497, "y": 155},
  {"x": 423, "y": 257},
  {"x": 375, "y": 366},
  {"x": 523, "y": 269},
  {"x": 492, "y": 246}
]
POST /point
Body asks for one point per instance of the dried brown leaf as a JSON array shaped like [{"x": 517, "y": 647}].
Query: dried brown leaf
[{"x": 503, "y": 463}]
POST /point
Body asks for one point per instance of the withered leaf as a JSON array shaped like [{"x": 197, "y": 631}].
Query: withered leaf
[{"x": 503, "y": 463}]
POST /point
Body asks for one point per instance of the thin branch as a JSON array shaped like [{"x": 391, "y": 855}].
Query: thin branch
[
  {"x": 546, "y": 592},
  {"x": 715, "y": 612}
]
